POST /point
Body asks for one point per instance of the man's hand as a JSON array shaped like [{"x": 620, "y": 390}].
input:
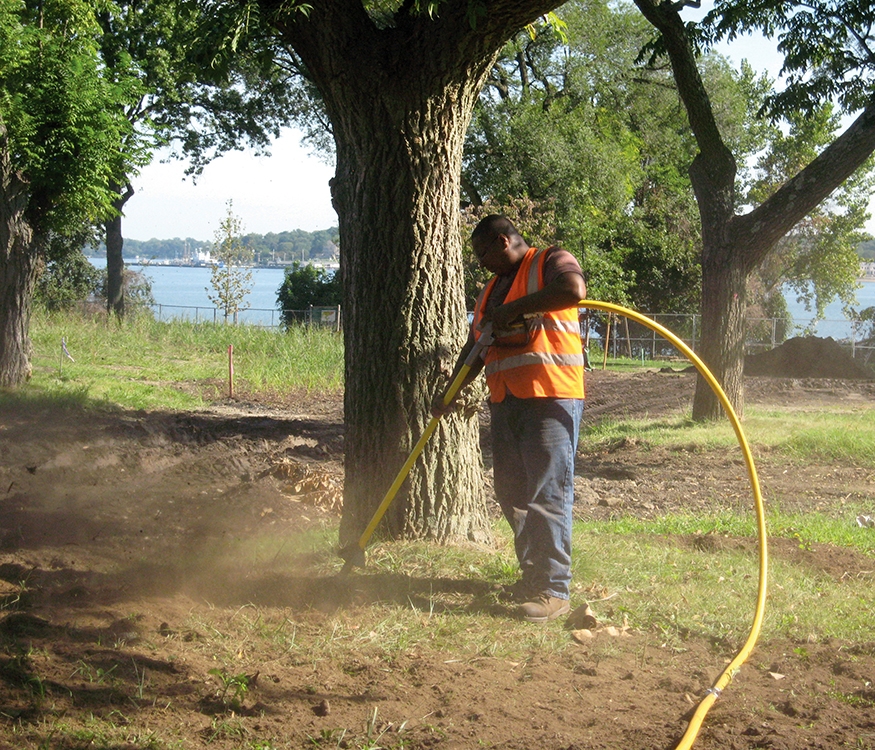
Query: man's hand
[
  {"x": 503, "y": 316},
  {"x": 439, "y": 408},
  {"x": 565, "y": 291}
]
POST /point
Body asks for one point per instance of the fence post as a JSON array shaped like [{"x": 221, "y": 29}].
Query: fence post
[
  {"x": 607, "y": 342},
  {"x": 616, "y": 323},
  {"x": 854, "y": 340}
]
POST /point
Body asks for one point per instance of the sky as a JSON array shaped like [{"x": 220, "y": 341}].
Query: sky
[{"x": 286, "y": 191}]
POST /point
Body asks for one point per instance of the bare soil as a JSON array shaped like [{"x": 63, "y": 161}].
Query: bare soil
[{"x": 114, "y": 564}]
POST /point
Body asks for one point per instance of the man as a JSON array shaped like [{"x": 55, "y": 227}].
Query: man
[{"x": 534, "y": 371}]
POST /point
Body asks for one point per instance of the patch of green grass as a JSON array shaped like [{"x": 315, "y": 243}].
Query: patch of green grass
[
  {"x": 679, "y": 589},
  {"x": 847, "y": 437},
  {"x": 140, "y": 363},
  {"x": 806, "y": 528},
  {"x": 678, "y": 431},
  {"x": 844, "y": 437},
  {"x": 636, "y": 573},
  {"x": 108, "y": 732}
]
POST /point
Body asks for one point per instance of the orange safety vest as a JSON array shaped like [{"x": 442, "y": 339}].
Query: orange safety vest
[{"x": 550, "y": 364}]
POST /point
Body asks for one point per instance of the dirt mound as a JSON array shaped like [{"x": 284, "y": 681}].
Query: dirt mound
[{"x": 807, "y": 357}]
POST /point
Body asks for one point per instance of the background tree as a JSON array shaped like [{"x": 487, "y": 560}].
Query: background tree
[
  {"x": 304, "y": 287},
  {"x": 817, "y": 259},
  {"x": 69, "y": 278},
  {"x": 230, "y": 280},
  {"x": 827, "y": 55},
  {"x": 60, "y": 146},
  {"x": 66, "y": 281},
  {"x": 575, "y": 122},
  {"x": 188, "y": 98}
]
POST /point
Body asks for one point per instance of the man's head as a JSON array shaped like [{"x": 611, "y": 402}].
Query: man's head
[{"x": 497, "y": 244}]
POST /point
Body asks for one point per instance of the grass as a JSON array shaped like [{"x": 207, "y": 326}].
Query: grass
[
  {"x": 846, "y": 437},
  {"x": 144, "y": 364},
  {"x": 681, "y": 590}
]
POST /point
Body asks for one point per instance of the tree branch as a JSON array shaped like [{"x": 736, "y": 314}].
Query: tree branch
[
  {"x": 760, "y": 229},
  {"x": 666, "y": 19}
]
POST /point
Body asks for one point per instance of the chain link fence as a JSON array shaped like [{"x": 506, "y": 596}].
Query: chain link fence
[
  {"x": 324, "y": 317},
  {"x": 625, "y": 338}
]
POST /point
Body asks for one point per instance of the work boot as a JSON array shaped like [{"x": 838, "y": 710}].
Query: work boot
[
  {"x": 543, "y": 608},
  {"x": 518, "y": 591}
]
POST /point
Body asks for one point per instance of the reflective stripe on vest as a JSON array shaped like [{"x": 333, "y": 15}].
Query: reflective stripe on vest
[
  {"x": 534, "y": 358},
  {"x": 551, "y": 324}
]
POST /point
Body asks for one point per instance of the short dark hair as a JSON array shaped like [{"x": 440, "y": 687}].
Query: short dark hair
[{"x": 493, "y": 225}]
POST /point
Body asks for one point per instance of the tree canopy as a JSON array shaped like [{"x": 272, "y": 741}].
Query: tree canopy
[
  {"x": 579, "y": 122},
  {"x": 60, "y": 146},
  {"x": 304, "y": 287},
  {"x": 819, "y": 257},
  {"x": 60, "y": 135},
  {"x": 192, "y": 98}
]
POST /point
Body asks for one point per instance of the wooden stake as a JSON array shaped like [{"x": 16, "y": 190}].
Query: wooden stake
[{"x": 607, "y": 342}]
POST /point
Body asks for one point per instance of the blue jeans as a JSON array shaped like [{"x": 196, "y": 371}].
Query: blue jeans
[{"x": 534, "y": 441}]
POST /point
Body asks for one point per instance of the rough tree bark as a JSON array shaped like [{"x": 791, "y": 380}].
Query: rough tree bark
[
  {"x": 19, "y": 266},
  {"x": 115, "y": 263},
  {"x": 733, "y": 246},
  {"x": 400, "y": 100}
]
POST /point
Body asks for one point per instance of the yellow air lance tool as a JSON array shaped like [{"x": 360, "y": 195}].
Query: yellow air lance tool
[{"x": 354, "y": 554}]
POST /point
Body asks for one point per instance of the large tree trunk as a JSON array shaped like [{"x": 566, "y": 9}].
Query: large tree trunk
[
  {"x": 724, "y": 283},
  {"x": 400, "y": 99},
  {"x": 115, "y": 264},
  {"x": 404, "y": 317},
  {"x": 19, "y": 266},
  {"x": 404, "y": 314}
]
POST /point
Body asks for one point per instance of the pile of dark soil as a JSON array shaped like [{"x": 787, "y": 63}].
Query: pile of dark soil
[{"x": 807, "y": 357}]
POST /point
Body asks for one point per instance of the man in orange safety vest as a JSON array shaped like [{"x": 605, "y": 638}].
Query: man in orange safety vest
[{"x": 534, "y": 371}]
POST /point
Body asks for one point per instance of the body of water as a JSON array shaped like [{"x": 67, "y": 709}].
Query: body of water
[
  {"x": 834, "y": 324},
  {"x": 181, "y": 292}
]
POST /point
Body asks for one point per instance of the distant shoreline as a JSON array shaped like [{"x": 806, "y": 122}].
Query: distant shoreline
[{"x": 331, "y": 265}]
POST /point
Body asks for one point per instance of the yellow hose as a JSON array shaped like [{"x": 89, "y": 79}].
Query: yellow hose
[{"x": 723, "y": 681}]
